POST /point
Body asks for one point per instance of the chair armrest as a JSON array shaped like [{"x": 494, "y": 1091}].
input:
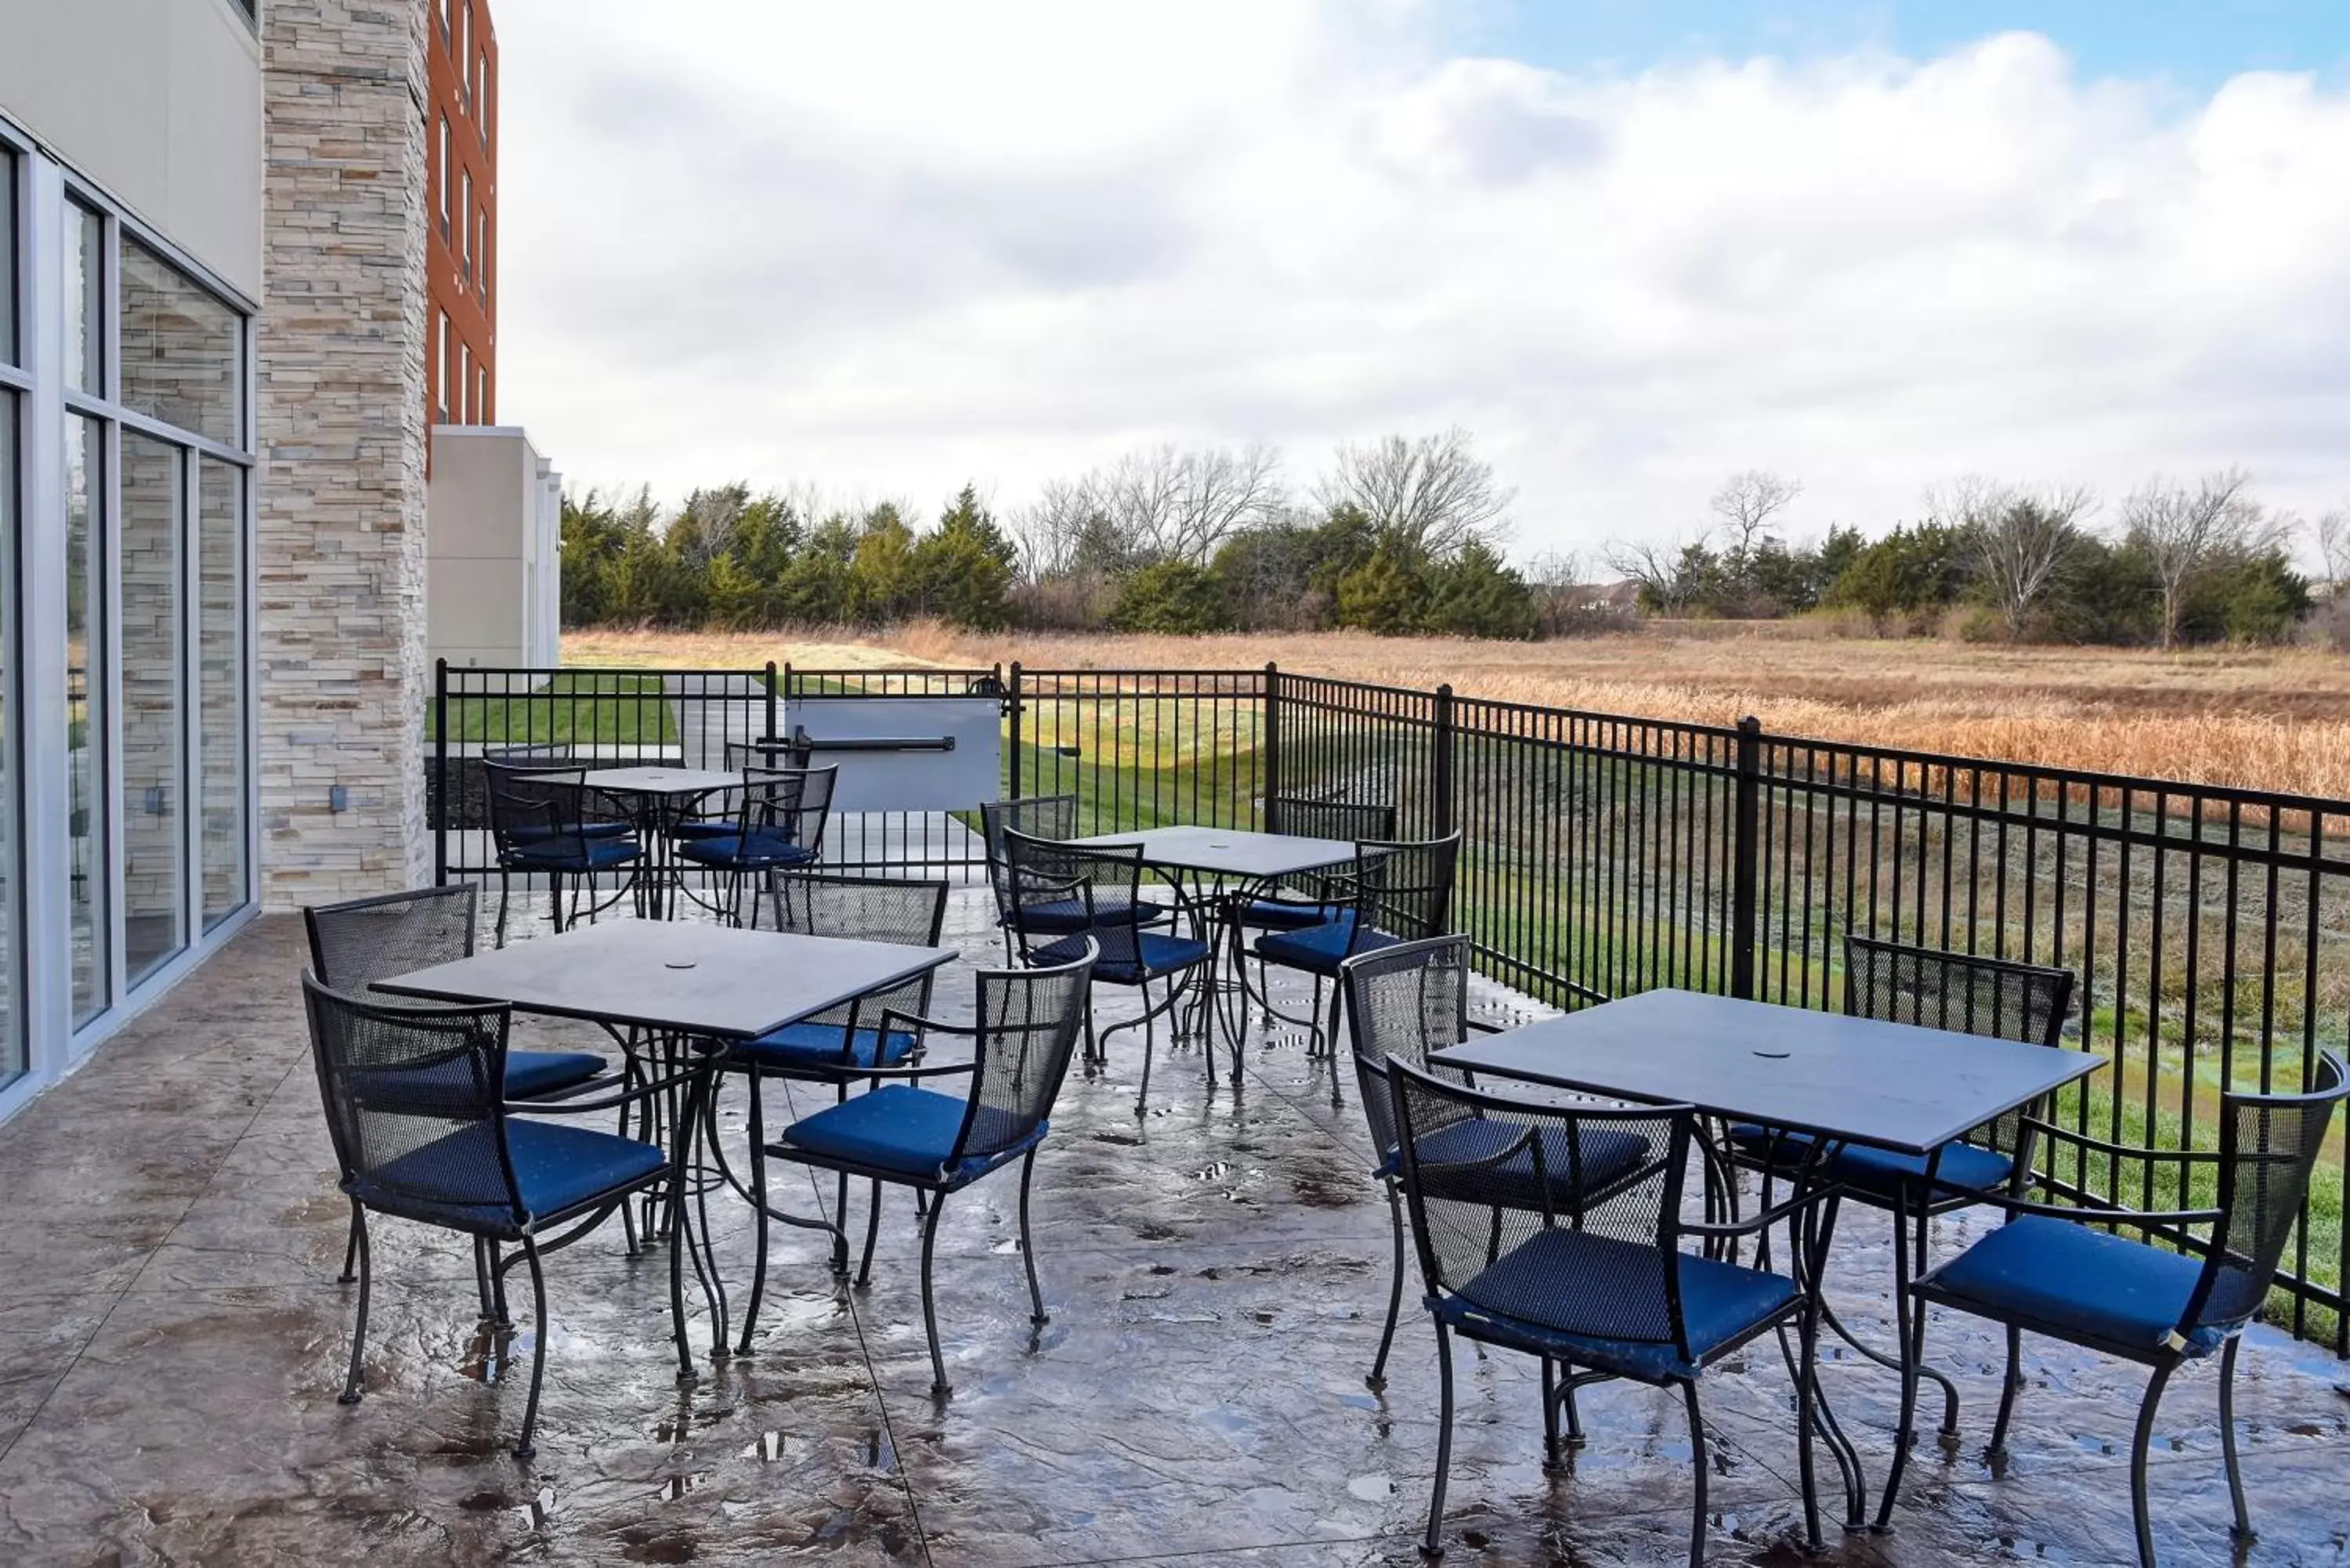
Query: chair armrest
[
  {"x": 922, "y": 1025},
  {"x": 1748, "y": 1226},
  {"x": 2122, "y": 1150},
  {"x": 2089, "y": 1216},
  {"x": 939, "y": 1071}
]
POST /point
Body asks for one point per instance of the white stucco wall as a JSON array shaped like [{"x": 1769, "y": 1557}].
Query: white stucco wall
[
  {"x": 159, "y": 102},
  {"x": 493, "y": 525}
]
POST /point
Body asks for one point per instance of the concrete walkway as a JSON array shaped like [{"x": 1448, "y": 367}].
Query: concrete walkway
[{"x": 172, "y": 1340}]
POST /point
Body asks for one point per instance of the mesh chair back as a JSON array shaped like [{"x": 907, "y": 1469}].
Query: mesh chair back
[
  {"x": 793, "y": 804},
  {"x": 355, "y": 944},
  {"x": 865, "y": 909},
  {"x": 558, "y": 754},
  {"x": 1102, "y": 883},
  {"x": 1038, "y": 816},
  {"x": 1969, "y": 994},
  {"x": 1402, "y": 1003},
  {"x": 412, "y": 1098},
  {"x": 1479, "y": 1173},
  {"x": 2269, "y": 1143},
  {"x": 537, "y": 806},
  {"x": 1029, "y": 1020},
  {"x": 1301, "y": 818},
  {"x": 1405, "y": 889}
]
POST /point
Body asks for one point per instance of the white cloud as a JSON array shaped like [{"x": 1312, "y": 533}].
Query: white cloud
[{"x": 889, "y": 247}]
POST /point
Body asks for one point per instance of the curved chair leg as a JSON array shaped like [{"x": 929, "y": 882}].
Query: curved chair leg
[
  {"x": 2139, "y": 1441},
  {"x": 872, "y": 1230},
  {"x": 1315, "y": 1044},
  {"x": 2243, "y": 1526},
  {"x": 940, "y": 1388},
  {"x": 755, "y": 1081},
  {"x": 2008, "y": 1389},
  {"x": 505, "y": 891},
  {"x": 1337, "y": 1001},
  {"x": 1698, "y": 1460},
  {"x": 1434, "y": 1546},
  {"x": 482, "y": 1274},
  {"x": 1149, "y": 1043},
  {"x": 499, "y": 1316},
  {"x": 1037, "y": 1313},
  {"x": 1807, "y": 1336},
  {"x": 351, "y": 1394},
  {"x": 1550, "y": 1417},
  {"x": 1913, "y": 1352},
  {"x": 524, "y": 1448},
  {"x": 350, "y": 1249},
  {"x": 1378, "y": 1377}
]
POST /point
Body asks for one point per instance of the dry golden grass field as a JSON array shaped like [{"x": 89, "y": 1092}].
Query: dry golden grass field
[{"x": 2264, "y": 718}]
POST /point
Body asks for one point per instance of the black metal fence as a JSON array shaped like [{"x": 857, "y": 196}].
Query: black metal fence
[{"x": 1607, "y": 854}]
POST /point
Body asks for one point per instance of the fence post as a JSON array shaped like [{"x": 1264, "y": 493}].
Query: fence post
[
  {"x": 1444, "y": 811},
  {"x": 769, "y": 733},
  {"x": 1011, "y": 752},
  {"x": 1269, "y": 743},
  {"x": 1746, "y": 850},
  {"x": 440, "y": 772}
]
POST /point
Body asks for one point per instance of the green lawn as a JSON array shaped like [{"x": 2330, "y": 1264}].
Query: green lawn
[{"x": 587, "y": 706}]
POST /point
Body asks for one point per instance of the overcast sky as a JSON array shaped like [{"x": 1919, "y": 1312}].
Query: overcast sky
[{"x": 883, "y": 248}]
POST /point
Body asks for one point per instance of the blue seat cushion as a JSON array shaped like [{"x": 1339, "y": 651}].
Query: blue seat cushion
[
  {"x": 907, "y": 1130},
  {"x": 557, "y": 1167},
  {"x": 705, "y": 827},
  {"x": 530, "y": 1073},
  {"x": 1617, "y": 1290},
  {"x": 1879, "y": 1172},
  {"x": 2076, "y": 1280},
  {"x": 1320, "y": 950},
  {"x": 568, "y": 853},
  {"x": 1069, "y": 915},
  {"x": 803, "y": 1047},
  {"x": 1604, "y": 1156},
  {"x": 1151, "y": 955},
  {"x": 768, "y": 847},
  {"x": 1277, "y": 915}
]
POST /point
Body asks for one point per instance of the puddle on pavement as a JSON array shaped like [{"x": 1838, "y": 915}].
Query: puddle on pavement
[
  {"x": 678, "y": 1487},
  {"x": 1006, "y": 1247},
  {"x": 1371, "y": 1489},
  {"x": 769, "y": 1449}
]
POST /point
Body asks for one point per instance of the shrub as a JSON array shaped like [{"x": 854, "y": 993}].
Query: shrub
[{"x": 1173, "y": 598}]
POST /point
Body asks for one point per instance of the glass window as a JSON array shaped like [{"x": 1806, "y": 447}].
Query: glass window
[
  {"x": 12, "y": 1038},
  {"x": 85, "y": 713},
  {"x": 466, "y": 240},
  {"x": 181, "y": 354},
  {"x": 7, "y": 258},
  {"x": 444, "y": 178},
  {"x": 466, "y": 49},
  {"x": 153, "y": 739},
  {"x": 441, "y": 370},
  {"x": 220, "y": 664},
  {"x": 482, "y": 395},
  {"x": 85, "y": 300},
  {"x": 465, "y": 379}
]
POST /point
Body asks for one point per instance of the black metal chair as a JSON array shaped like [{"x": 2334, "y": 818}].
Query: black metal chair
[
  {"x": 1597, "y": 1292},
  {"x": 778, "y": 819},
  {"x": 904, "y": 1135},
  {"x": 539, "y": 826},
  {"x": 713, "y": 815},
  {"x": 1314, "y": 902},
  {"x": 1393, "y": 892},
  {"x": 1967, "y": 993},
  {"x": 355, "y": 944},
  {"x": 1403, "y": 1003},
  {"x": 1063, "y": 894},
  {"x": 1047, "y": 817},
  {"x": 558, "y": 757},
  {"x": 2064, "y": 1273},
  {"x": 845, "y": 1044},
  {"x": 416, "y": 1109}
]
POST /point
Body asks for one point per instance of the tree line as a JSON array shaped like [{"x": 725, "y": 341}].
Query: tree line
[{"x": 1405, "y": 536}]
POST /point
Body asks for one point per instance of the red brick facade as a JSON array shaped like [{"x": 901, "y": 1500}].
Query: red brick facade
[{"x": 460, "y": 139}]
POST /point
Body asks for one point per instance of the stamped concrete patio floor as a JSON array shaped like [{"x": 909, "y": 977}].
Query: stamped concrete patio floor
[{"x": 172, "y": 1338}]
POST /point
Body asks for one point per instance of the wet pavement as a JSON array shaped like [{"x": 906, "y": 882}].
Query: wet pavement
[{"x": 172, "y": 1338}]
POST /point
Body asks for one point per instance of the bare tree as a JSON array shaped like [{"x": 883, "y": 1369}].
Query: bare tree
[
  {"x": 1671, "y": 575},
  {"x": 1433, "y": 494},
  {"x": 2016, "y": 542},
  {"x": 1747, "y": 503},
  {"x": 2185, "y": 529},
  {"x": 2334, "y": 548},
  {"x": 705, "y": 526},
  {"x": 1057, "y": 531},
  {"x": 1180, "y": 506}
]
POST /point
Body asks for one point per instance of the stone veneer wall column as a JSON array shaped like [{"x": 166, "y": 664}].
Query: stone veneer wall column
[{"x": 343, "y": 677}]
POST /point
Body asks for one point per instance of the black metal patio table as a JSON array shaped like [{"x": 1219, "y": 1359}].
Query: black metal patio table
[
  {"x": 1226, "y": 868},
  {"x": 686, "y": 990},
  {"x": 658, "y": 797},
  {"x": 1841, "y": 1079}
]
